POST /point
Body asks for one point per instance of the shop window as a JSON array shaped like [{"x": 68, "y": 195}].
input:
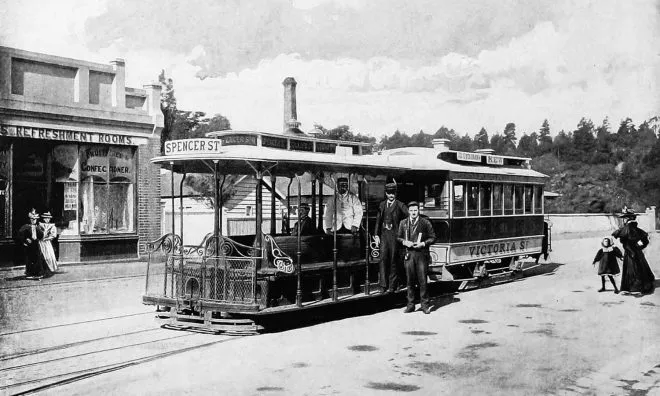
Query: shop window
[
  {"x": 484, "y": 198},
  {"x": 538, "y": 199},
  {"x": 508, "y": 199},
  {"x": 473, "y": 199},
  {"x": 497, "y": 199},
  {"x": 65, "y": 197},
  {"x": 528, "y": 199},
  {"x": 107, "y": 195},
  {"x": 459, "y": 199},
  {"x": 518, "y": 198}
]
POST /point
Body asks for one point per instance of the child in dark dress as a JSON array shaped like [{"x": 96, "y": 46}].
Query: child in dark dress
[{"x": 607, "y": 262}]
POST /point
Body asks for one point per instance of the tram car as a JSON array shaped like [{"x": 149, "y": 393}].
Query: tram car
[{"x": 486, "y": 210}]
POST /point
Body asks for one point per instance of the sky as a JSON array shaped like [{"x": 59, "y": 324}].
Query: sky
[{"x": 375, "y": 65}]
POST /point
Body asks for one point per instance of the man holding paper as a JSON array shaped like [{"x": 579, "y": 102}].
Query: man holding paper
[{"x": 416, "y": 234}]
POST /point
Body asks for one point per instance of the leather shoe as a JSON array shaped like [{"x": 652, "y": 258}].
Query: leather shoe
[
  {"x": 601, "y": 290},
  {"x": 427, "y": 310},
  {"x": 409, "y": 309}
]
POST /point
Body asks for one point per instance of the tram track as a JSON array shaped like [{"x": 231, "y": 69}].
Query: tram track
[
  {"x": 75, "y": 323},
  {"x": 57, "y": 283},
  {"x": 79, "y": 375}
]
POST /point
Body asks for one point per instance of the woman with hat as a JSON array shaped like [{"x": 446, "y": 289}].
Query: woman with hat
[
  {"x": 28, "y": 236},
  {"x": 45, "y": 245},
  {"x": 637, "y": 276}
]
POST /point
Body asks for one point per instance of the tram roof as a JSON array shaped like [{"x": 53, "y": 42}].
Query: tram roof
[{"x": 198, "y": 155}]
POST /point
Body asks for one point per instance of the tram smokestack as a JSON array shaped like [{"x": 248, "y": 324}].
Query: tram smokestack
[
  {"x": 441, "y": 144},
  {"x": 290, "y": 112}
]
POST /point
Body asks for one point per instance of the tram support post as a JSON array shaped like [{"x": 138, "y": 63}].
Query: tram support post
[
  {"x": 298, "y": 251},
  {"x": 288, "y": 206},
  {"x": 321, "y": 178},
  {"x": 367, "y": 256},
  {"x": 258, "y": 232},
  {"x": 313, "y": 199},
  {"x": 216, "y": 222},
  {"x": 273, "y": 220},
  {"x": 334, "y": 244}
]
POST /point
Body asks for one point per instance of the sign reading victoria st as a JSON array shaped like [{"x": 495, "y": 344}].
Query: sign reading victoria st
[
  {"x": 489, "y": 250},
  {"x": 65, "y": 135}
]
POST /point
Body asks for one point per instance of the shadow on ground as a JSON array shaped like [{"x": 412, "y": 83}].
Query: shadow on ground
[{"x": 297, "y": 319}]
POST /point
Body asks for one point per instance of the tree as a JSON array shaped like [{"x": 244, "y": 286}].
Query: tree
[
  {"x": 464, "y": 144},
  {"x": 343, "y": 133},
  {"x": 498, "y": 144},
  {"x": 167, "y": 107},
  {"x": 421, "y": 140},
  {"x": 217, "y": 123},
  {"x": 545, "y": 140},
  {"x": 583, "y": 137},
  {"x": 397, "y": 140},
  {"x": 202, "y": 184},
  {"x": 481, "y": 139}
]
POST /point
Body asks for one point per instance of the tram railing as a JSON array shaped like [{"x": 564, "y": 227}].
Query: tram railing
[{"x": 202, "y": 272}]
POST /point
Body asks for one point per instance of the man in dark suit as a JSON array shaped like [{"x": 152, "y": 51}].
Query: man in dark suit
[
  {"x": 390, "y": 213},
  {"x": 416, "y": 234},
  {"x": 304, "y": 221},
  {"x": 28, "y": 236}
]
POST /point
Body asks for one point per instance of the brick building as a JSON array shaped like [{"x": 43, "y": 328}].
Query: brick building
[{"x": 75, "y": 141}]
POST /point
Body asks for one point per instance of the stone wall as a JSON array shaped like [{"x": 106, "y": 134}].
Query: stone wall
[{"x": 598, "y": 222}]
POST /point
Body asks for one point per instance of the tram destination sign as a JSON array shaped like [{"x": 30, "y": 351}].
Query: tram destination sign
[
  {"x": 193, "y": 146},
  {"x": 67, "y": 135},
  {"x": 487, "y": 250}
]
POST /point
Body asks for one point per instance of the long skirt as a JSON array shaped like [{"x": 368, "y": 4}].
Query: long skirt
[
  {"x": 48, "y": 255},
  {"x": 637, "y": 275}
]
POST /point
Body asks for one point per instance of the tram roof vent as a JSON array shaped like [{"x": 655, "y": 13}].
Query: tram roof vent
[
  {"x": 487, "y": 151},
  {"x": 343, "y": 151},
  {"x": 441, "y": 145}
]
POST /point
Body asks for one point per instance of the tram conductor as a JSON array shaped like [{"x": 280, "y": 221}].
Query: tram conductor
[
  {"x": 390, "y": 213},
  {"x": 416, "y": 234},
  {"x": 349, "y": 211}
]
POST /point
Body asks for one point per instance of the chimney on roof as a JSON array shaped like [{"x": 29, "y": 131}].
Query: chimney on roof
[
  {"x": 441, "y": 145},
  {"x": 290, "y": 113}
]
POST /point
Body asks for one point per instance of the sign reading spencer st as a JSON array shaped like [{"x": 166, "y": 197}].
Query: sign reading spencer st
[
  {"x": 494, "y": 249},
  {"x": 193, "y": 146}
]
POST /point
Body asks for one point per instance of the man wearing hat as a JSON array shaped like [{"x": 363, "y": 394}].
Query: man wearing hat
[
  {"x": 29, "y": 236},
  {"x": 416, "y": 234},
  {"x": 390, "y": 213},
  {"x": 304, "y": 221},
  {"x": 349, "y": 211}
]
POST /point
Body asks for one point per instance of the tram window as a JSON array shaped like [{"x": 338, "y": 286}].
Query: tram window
[
  {"x": 436, "y": 203},
  {"x": 508, "y": 199},
  {"x": 497, "y": 199},
  {"x": 484, "y": 198},
  {"x": 248, "y": 210},
  {"x": 538, "y": 199},
  {"x": 528, "y": 199},
  {"x": 518, "y": 198},
  {"x": 473, "y": 199},
  {"x": 459, "y": 199}
]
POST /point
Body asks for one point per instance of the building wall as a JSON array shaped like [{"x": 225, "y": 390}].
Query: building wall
[{"x": 47, "y": 101}]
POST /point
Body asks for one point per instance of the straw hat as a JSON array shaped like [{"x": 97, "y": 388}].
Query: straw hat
[{"x": 46, "y": 215}]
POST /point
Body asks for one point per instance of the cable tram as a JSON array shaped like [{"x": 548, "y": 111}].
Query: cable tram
[{"x": 486, "y": 210}]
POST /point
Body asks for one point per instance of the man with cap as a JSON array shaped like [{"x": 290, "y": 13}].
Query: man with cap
[
  {"x": 390, "y": 213},
  {"x": 349, "y": 211},
  {"x": 29, "y": 236},
  {"x": 416, "y": 234},
  {"x": 304, "y": 221}
]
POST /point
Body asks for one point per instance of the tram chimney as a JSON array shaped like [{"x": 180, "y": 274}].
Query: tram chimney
[
  {"x": 290, "y": 112},
  {"x": 441, "y": 145}
]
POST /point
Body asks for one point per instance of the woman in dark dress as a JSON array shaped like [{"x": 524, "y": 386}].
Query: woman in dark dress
[
  {"x": 637, "y": 276},
  {"x": 608, "y": 265},
  {"x": 29, "y": 236}
]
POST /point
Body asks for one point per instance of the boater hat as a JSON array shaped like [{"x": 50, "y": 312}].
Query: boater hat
[
  {"x": 46, "y": 215},
  {"x": 33, "y": 214},
  {"x": 390, "y": 187}
]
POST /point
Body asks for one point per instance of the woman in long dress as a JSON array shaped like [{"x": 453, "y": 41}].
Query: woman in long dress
[
  {"x": 637, "y": 276},
  {"x": 45, "y": 244}
]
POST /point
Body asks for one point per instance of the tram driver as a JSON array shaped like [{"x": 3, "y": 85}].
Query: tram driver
[{"x": 349, "y": 211}]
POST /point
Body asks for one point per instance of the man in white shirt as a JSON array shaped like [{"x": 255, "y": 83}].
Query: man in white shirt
[{"x": 349, "y": 210}]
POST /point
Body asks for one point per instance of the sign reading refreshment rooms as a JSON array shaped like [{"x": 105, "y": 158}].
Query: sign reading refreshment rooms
[{"x": 66, "y": 135}]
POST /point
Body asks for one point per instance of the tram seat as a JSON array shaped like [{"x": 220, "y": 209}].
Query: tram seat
[{"x": 317, "y": 249}]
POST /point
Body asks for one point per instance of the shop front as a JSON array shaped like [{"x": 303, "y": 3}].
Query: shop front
[{"x": 80, "y": 162}]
